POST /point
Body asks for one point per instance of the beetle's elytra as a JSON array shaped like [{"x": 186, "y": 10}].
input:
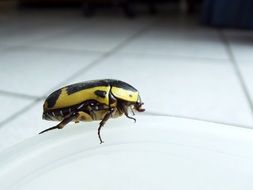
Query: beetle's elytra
[{"x": 91, "y": 100}]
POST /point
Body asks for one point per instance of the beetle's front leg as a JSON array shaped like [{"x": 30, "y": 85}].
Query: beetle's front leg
[
  {"x": 101, "y": 124},
  {"x": 62, "y": 124},
  {"x": 124, "y": 109}
]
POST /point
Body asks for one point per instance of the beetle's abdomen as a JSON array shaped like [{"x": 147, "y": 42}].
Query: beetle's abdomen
[
  {"x": 57, "y": 114},
  {"x": 89, "y": 110},
  {"x": 76, "y": 94}
]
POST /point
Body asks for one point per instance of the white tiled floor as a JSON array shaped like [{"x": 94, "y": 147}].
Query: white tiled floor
[
  {"x": 36, "y": 71},
  {"x": 241, "y": 43},
  {"x": 179, "y": 67},
  {"x": 26, "y": 125},
  {"x": 181, "y": 86},
  {"x": 246, "y": 68},
  {"x": 12, "y": 105},
  {"x": 186, "y": 41},
  {"x": 99, "y": 35}
]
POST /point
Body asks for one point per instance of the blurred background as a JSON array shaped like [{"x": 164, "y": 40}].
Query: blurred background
[{"x": 188, "y": 58}]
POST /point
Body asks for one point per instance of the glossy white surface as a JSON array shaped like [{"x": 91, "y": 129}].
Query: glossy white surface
[
  {"x": 24, "y": 126},
  {"x": 38, "y": 71},
  {"x": 154, "y": 153}
]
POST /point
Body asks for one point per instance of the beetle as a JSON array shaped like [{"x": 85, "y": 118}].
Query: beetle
[{"x": 90, "y": 101}]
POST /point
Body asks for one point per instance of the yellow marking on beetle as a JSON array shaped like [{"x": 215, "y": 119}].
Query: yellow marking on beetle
[
  {"x": 83, "y": 117},
  {"x": 99, "y": 115},
  {"x": 125, "y": 94},
  {"x": 66, "y": 100}
]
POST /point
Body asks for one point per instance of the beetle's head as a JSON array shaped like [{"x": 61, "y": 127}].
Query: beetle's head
[{"x": 138, "y": 105}]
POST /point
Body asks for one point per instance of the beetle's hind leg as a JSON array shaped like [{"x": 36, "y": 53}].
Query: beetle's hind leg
[
  {"x": 102, "y": 123},
  {"x": 62, "y": 124}
]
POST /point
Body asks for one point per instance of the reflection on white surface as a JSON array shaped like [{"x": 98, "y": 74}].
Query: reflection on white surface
[{"x": 154, "y": 153}]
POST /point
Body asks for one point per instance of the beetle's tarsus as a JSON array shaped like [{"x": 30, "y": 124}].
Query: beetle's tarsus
[
  {"x": 99, "y": 136},
  {"x": 101, "y": 124},
  {"x": 130, "y": 117},
  {"x": 49, "y": 129},
  {"x": 62, "y": 123}
]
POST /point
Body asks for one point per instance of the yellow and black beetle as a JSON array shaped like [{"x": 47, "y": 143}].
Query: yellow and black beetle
[{"x": 91, "y": 100}]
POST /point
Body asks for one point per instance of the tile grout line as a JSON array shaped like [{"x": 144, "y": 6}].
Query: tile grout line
[
  {"x": 174, "y": 56},
  {"x": 108, "y": 54},
  {"x": 20, "y": 95},
  {"x": 18, "y": 113},
  {"x": 73, "y": 28},
  {"x": 89, "y": 66},
  {"x": 237, "y": 70},
  {"x": 59, "y": 50},
  {"x": 86, "y": 51}
]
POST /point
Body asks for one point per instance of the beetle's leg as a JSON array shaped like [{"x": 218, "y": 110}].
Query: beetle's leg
[
  {"x": 132, "y": 110},
  {"x": 83, "y": 116},
  {"x": 62, "y": 124},
  {"x": 101, "y": 124},
  {"x": 87, "y": 107},
  {"x": 92, "y": 113},
  {"x": 124, "y": 108},
  {"x": 126, "y": 114}
]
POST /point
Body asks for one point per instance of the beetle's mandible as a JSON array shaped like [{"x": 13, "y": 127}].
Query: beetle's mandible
[{"x": 91, "y": 100}]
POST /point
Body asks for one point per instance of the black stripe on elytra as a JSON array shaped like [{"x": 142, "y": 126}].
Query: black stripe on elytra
[
  {"x": 85, "y": 85},
  {"x": 121, "y": 84},
  {"x": 101, "y": 93},
  {"x": 52, "y": 98},
  {"x": 104, "y": 82}
]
